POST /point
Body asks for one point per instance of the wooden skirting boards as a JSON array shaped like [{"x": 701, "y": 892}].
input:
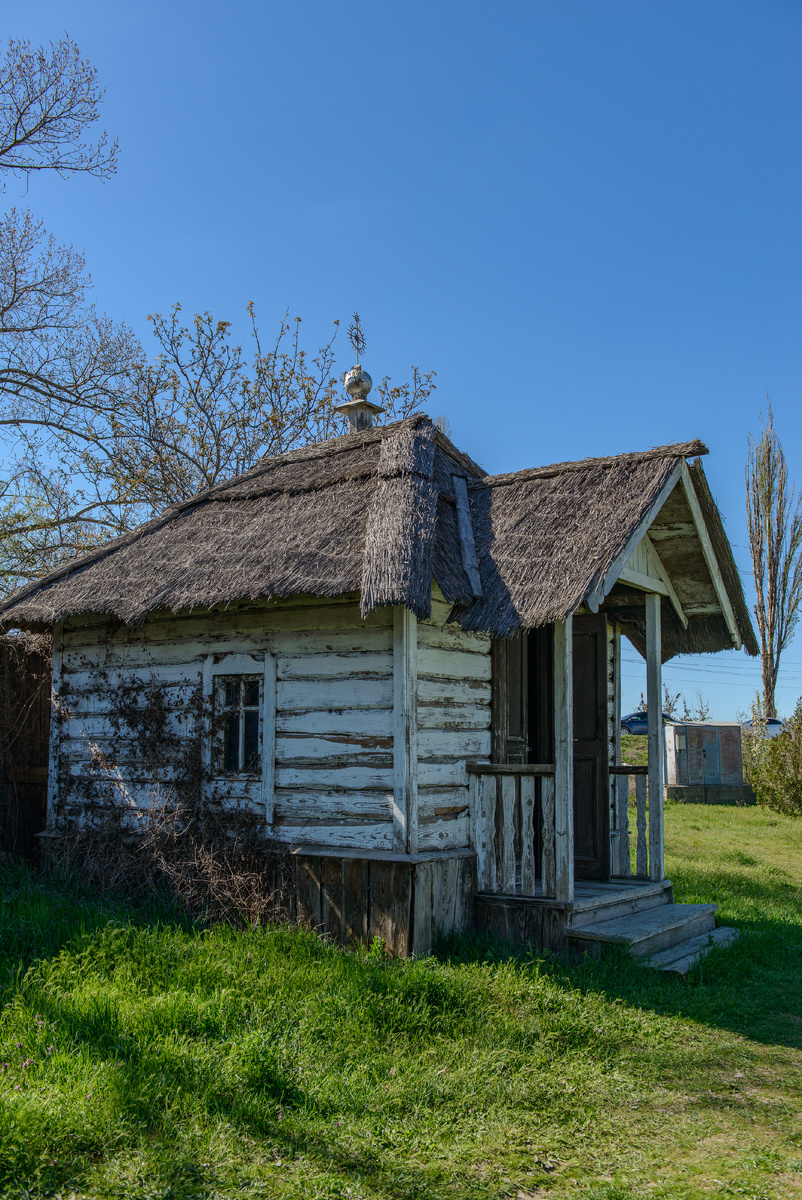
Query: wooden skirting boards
[{"x": 403, "y": 899}]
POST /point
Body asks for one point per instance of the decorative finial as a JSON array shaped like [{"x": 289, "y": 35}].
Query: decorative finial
[
  {"x": 356, "y": 336},
  {"x": 359, "y": 410}
]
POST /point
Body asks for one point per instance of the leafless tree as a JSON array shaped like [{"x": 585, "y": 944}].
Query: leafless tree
[
  {"x": 48, "y": 99},
  {"x": 99, "y": 438},
  {"x": 158, "y": 432},
  {"x": 61, "y": 362},
  {"x": 774, "y": 519}
]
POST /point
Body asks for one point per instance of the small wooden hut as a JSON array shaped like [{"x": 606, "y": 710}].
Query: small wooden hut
[{"x": 415, "y": 667}]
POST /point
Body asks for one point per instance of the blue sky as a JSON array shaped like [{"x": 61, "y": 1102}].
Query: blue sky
[{"x": 584, "y": 216}]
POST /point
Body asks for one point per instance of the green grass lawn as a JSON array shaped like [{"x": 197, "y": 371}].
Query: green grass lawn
[{"x": 144, "y": 1058}]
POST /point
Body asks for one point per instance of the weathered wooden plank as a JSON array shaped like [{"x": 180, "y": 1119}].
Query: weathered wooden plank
[
  {"x": 444, "y": 891},
  {"x": 442, "y": 774},
  {"x": 710, "y": 556},
  {"x": 508, "y": 798},
  {"x": 334, "y": 747},
  {"x": 331, "y": 898},
  {"x": 453, "y": 664},
  {"x": 329, "y": 778},
  {"x": 422, "y": 906},
  {"x": 356, "y": 899},
  {"x": 91, "y": 680},
  {"x": 445, "y": 833},
  {"x": 140, "y": 645},
  {"x": 453, "y": 743},
  {"x": 470, "y": 563},
  {"x": 391, "y": 904},
  {"x": 453, "y": 716},
  {"x": 368, "y": 836},
  {"x": 527, "y": 785},
  {"x": 488, "y": 872},
  {"x": 642, "y": 859},
  {"x": 621, "y": 791},
  {"x": 654, "y": 697},
  {"x": 300, "y": 613},
  {"x": 56, "y": 725},
  {"x": 268, "y": 748},
  {"x": 334, "y": 693},
  {"x": 405, "y": 731},
  {"x": 452, "y": 637},
  {"x": 307, "y": 891},
  {"x": 564, "y": 760},
  {"x": 354, "y": 722},
  {"x": 440, "y": 801},
  {"x": 440, "y": 689},
  {"x": 332, "y": 806},
  {"x": 485, "y": 768},
  {"x": 333, "y": 666},
  {"x": 548, "y": 860}
]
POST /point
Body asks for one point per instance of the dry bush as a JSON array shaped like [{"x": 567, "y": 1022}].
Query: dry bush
[{"x": 215, "y": 864}]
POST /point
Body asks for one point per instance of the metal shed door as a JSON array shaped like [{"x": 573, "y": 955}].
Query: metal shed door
[{"x": 712, "y": 755}]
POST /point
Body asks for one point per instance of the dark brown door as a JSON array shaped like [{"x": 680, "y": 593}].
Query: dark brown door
[
  {"x": 509, "y": 719},
  {"x": 591, "y": 776}
]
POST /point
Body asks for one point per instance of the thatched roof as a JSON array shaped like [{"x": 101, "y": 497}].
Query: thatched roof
[{"x": 375, "y": 513}]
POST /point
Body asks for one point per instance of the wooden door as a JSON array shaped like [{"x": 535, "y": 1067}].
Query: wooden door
[
  {"x": 509, "y": 713},
  {"x": 591, "y": 775}
]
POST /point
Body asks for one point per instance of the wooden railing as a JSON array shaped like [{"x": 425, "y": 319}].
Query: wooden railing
[
  {"x": 505, "y": 832},
  {"x": 619, "y": 821}
]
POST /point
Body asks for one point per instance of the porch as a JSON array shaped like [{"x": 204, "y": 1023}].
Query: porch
[{"x": 563, "y": 861}]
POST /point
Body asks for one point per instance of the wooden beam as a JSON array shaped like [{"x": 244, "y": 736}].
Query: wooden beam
[
  {"x": 55, "y": 723},
  {"x": 405, "y": 730},
  {"x": 564, "y": 760},
  {"x": 483, "y": 768},
  {"x": 654, "y": 708},
  {"x": 710, "y": 557},
  {"x": 470, "y": 563},
  {"x": 657, "y": 563},
  {"x": 603, "y": 585},
  {"x": 644, "y": 583},
  {"x": 269, "y": 737}
]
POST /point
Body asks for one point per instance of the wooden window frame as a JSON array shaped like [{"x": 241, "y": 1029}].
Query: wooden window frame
[{"x": 218, "y": 667}]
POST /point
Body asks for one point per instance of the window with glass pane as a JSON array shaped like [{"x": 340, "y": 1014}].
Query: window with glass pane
[{"x": 240, "y": 703}]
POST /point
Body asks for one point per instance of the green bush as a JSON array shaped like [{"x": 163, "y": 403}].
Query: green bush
[{"x": 773, "y": 765}]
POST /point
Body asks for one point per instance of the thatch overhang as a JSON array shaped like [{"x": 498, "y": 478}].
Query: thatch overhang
[{"x": 375, "y": 513}]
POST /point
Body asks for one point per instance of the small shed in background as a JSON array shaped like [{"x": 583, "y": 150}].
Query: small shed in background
[{"x": 704, "y": 763}]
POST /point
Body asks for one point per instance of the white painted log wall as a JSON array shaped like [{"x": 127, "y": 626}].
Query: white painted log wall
[
  {"x": 453, "y": 726},
  {"x": 334, "y": 710},
  {"x": 334, "y": 701}
]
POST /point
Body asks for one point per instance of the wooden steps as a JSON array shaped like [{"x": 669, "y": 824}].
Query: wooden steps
[
  {"x": 635, "y": 913},
  {"x": 667, "y": 936}
]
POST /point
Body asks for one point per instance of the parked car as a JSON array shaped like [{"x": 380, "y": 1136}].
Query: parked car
[
  {"x": 637, "y": 722},
  {"x": 774, "y": 726}
]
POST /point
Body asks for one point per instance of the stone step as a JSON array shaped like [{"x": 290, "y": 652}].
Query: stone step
[
  {"x": 683, "y": 957},
  {"x": 621, "y": 903},
  {"x": 647, "y": 932}
]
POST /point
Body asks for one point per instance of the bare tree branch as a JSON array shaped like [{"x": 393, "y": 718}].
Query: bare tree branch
[{"x": 48, "y": 98}]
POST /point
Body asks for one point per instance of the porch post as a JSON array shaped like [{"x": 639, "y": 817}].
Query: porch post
[
  {"x": 405, "y": 731},
  {"x": 564, "y": 759},
  {"x": 654, "y": 703}
]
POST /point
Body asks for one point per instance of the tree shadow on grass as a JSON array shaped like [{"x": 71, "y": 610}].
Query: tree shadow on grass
[{"x": 751, "y": 987}]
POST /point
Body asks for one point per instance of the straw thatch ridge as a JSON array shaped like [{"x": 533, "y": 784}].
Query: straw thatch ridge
[{"x": 399, "y": 540}]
